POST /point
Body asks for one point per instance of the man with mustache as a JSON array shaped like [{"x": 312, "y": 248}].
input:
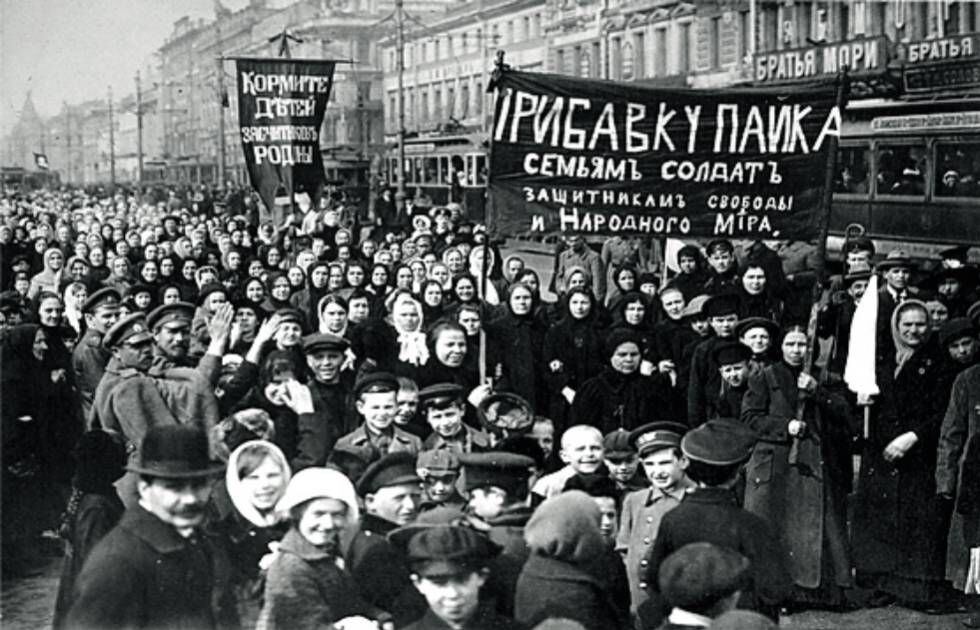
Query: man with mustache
[{"x": 156, "y": 569}]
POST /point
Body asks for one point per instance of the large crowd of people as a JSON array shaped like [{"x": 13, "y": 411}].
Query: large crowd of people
[{"x": 232, "y": 418}]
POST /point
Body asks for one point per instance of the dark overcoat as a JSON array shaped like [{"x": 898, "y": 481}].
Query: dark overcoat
[
  {"x": 804, "y": 503},
  {"x": 613, "y": 400},
  {"x": 548, "y": 588},
  {"x": 900, "y": 524},
  {"x": 143, "y": 574}
]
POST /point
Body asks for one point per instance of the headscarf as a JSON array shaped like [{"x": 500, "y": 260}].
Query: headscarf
[
  {"x": 566, "y": 528},
  {"x": 412, "y": 346},
  {"x": 903, "y": 351},
  {"x": 477, "y": 271},
  {"x": 233, "y": 482}
]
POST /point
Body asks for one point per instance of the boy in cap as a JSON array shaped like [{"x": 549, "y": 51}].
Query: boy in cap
[
  {"x": 391, "y": 493},
  {"x": 450, "y": 565},
  {"x": 89, "y": 359},
  {"x": 407, "y": 417},
  {"x": 622, "y": 462},
  {"x": 722, "y": 267},
  {"x": 444, "y": 408},
  {"x": 156, "y": 569},
  {"x": 716, "y": 452},
  {"x": 376, "y": 402},
  {"x": 732, "y": 358},
  {"x": 705, "y": 381},
  {"x": 325, "y": 355},
  {"x": 701, "y": 581},
  {"x": 439, "y": 471},
  {"x": 658, "y": 445}
]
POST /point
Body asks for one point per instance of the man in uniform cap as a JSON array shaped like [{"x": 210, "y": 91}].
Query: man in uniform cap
[
  {"x": 444, "y": 408},
  {"x": 391, "y": 491},
  {"x": 155, "y": 569},
  {"x": 722, "y": 267},
  {"x": 700, "y": 581},
  {"x": 715, "y": 452},
  {"x": 376, "y": 399},
  {"x": 132, "y": 396},
  {"x": 450, "y": 565},
  {"x": 439, "y": 471},
  {"x": 171, "y": 326},
  {"x": 658, "y": 447},
  {"x": 330, "y": 389},
  {"x": 705, "y": 381},
  {"x": 89, "y": 359}
]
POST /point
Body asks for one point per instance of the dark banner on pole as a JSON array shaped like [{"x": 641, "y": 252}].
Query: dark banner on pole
[
  {"x": 577, "y": 155},
  {"x": 280, "y": 109}
]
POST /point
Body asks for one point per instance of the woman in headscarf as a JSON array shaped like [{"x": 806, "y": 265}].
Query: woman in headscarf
[
  {"x": 98, "y": 270},
  {"x": 621, "y": 397},
  {"x": 900, "y": 524},
  {"x": 333, "y": 316},
  {"x": 447, "y": 358},
  {"x": 49, "y": 279},
  {"x": 521, "y": 338},
  {"x": 407, "y": 319},
  {"x": 378, "y": 285},
  {"x": 799, "y": 475},
  {"x": 243, "y": 519},
  {"x": 759, "y": 335},
  {"x": 509, "y": 271},
  {"x": 75, "y": 295},
  {"x": 307, "y": 300},
  {"x": 433, "y": 300},
  {"x": 693, "y": 272},
  {"x": 625, "y": 279},
  {"x": 254, "y": 292},
  {"x": 148, "y": 274},
  {"x": 464, "y": 292},
  {"x": 480, "y": 267},
  {"x": 572, "y": 354},
  {"x": 755, "y": 296},
  {"x": 278, "y": 292}
]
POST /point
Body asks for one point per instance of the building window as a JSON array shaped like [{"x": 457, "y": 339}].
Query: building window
[
  {"x": 510, "y": 32},
  {"x": 585, "y": 63},
  {"x": 596, "y": 59},
  {"x": 714, "y": 41},
  {"x": 464, "y": 100},
  {"x": 527, "y": 27},
  {"x": 423, "y": 106},
  {"x": 392, "y": 108},
  {"x": 615, "y": 58},
  {"x": 628, "y": 61},
  {"x": 560, "y": 61},
  {"x": 745, "y": 46},
  {"x": 660, "y": 52},
  {"x": 639, "y": 45},
  {"x": 450, "y": 102},
  {"x": 437, "y": 103},
  {"x": 684, "y": 48},
  {"x": 464, "y": 44},
  {"x": 478, "y": 97}
]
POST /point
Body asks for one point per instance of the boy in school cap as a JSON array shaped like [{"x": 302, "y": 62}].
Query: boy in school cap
[
  {"x": 375, "y": 398},
  {"x": 622, "y": 462},
  {"x": 732, "y": 358},
  {"x": 658, "y": 447},
  {"x": 701, "y": 581},
  {"x": 439, "y": 470},
  {"x": 444, "y": 408},
  {"x": 716, "y": 451}
]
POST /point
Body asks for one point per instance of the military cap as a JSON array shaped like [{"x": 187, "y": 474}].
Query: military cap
[
  {"x": 440, "y": 395},
  {"x": 721, "y": 442},
  {"x": 862, "y": 243},
  {"x": 896, "y": 259},
  {"x": 107, "y": 296},
  {"x": 721, "y": 304},
  {"x": 504, "y": 411},
  {"x": 495, "y": 468},
  {"x": 655, "y": 436},
  {"x": 447, "y": 550},
  {"x": 744, "y": 325},
  {"x": 956, "y": 328},
  {"x": 393, "y": 469},
  {"x": 695, "y": 307},
  {"x": 168, "y": 313},
  {"x": 131, "y": 329},
  {"x": 376, "y": 383},
  {"x": 616, "y": 445},
  {"x": 439, "y": 461},
  {"x": 700, "y": 574},
  {"x": 208, "y": 290},
  {"x": 719, "y": 244},
  {"x": 289, "y": 315},
  {"x": 729, "y": 352},
  {"x": 443, "y": 515},
  {"x": 324, "y": 341}
]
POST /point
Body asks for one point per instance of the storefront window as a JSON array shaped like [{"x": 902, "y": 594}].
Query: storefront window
[{"x": 958, "y": 170}]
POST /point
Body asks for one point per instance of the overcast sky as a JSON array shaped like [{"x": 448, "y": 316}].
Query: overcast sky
[{"x": 72, "y": 50}]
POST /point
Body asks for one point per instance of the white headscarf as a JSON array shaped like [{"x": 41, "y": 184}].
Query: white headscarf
[
  {"x": 412, "y": 347},
  {"x": 241, "y": 501}
]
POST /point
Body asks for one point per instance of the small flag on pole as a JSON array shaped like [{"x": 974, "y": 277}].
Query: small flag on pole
[
  {"x": 859, "y": 372},
  {"x": 41, "y": 161}
]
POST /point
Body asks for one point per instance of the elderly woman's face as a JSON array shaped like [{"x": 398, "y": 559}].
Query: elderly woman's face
[
  {"x": 322, "y": 521},
  {"x": 626, "y": 358},
  {"x": 406, "y": 315}
]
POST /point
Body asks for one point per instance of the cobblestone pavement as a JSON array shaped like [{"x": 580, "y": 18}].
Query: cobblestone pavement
[{"x": 27, "y": 604}]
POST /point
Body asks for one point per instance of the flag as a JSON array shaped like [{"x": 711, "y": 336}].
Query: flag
[
  {"x": 859, "y": 373},
  {"x": 41, "y": 161}
]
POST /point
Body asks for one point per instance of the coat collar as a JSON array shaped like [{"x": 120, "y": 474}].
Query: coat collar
[
  {"x": 376, "y": 524},
  {"x": 294, "y": 543},
  {"x": 550, "y": 568},
  {"x": 679, "y": 492},
  {"x": 718, "y": 496},
  {"x": 150, "y": 529}
]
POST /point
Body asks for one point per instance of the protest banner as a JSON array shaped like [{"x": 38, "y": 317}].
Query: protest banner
[
  {"x": 591, "y": 156},
  {"x": 281, "y": 103}
]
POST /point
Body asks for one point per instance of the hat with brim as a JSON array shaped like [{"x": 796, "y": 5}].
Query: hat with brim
[
  {"x": 721, "y": 442},
  {"x": 394, "y": 469},
  {"x": 721, "y": 305},
  {"x": 441, "y": 516},
  {"x": 504, "y": 411},
  {"x": 656, "y": 436},
  {"x": 744, "y": 325},
  {"x": 175, "y": 451},
  {"x": 896, "y": 259},
  {"x": 695, "y": 307},
  {"x": 448, "y": 550}
]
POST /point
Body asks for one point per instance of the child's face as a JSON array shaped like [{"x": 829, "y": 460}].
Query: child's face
[
  {"x": 664, "y": 469},
  {"x": 544, "y": 433},
  {"x": 701, "y": 326},
  {"x": 622, "y": 469},
  {"x": 687, "y": 264},
  {"x": 583, "y": 452},
  {"x": 446, "y": 422},
  {"x": 378, "y": 409}
]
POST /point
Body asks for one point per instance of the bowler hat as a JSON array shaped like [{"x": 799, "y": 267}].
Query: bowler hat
[{"x": 175, "y": 451}]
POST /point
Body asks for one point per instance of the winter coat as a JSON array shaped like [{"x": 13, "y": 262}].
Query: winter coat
[
  {"x": 306, "y": 589},
  {"x": 805, "y": 503},
  {"x": 143, "y": 574},
  {"x": 900, "y": 496},
  {"x": 577, "y": 345},
  {"x": 485, "y": 618},
  {"x": 521, "y": 340},
  {"x": 614, "y": 400},
  {"x": 549, "y": 587},
  {"x": 88, "y": 361}
]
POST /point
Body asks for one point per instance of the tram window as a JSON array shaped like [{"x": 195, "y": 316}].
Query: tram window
[
  {"x": 481, "y": 170},
  {"x": 901, "y": 170},
  {"x": 430, "y": 171},
  {"x": 853, "y": 171},
  {"x": 958, "y": 170}
]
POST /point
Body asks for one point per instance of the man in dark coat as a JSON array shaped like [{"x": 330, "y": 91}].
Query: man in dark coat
[
  {"x": 156, "y": 569},
  {"x": 896, "y": 272},
  {"x": 715, "y": 452},
  {"x": 391, "y": 490},
  {"x": 325, "y": 354},
  {"x": 90, "y": 357},
  {"x": 704, "y": 385}
]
